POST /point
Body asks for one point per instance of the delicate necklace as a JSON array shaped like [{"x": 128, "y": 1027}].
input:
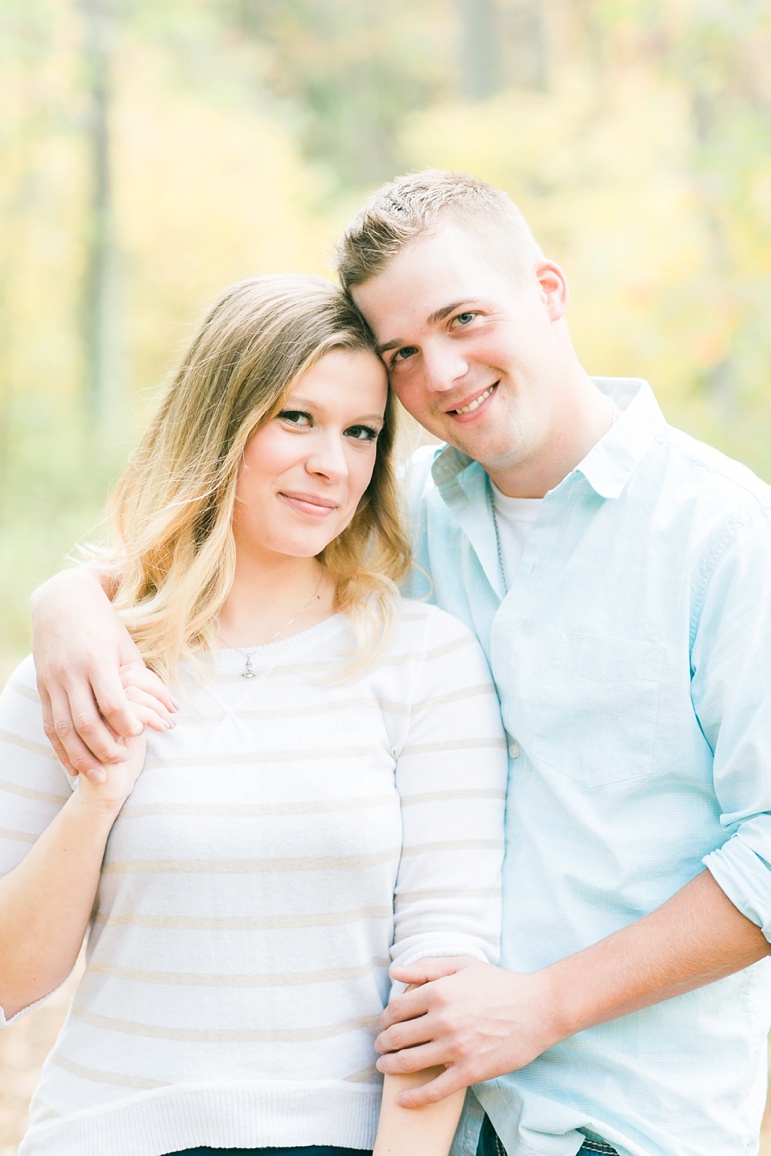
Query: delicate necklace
[{"x": 249, "y": 671}]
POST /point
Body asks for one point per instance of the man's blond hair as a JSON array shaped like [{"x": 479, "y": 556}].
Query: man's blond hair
[{"x": 420, "y": 203}]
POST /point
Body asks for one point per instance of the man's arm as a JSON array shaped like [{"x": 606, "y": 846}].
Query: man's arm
[
  {"x": 80, "y": 647},
  {"x": 480, "y": 1021}
]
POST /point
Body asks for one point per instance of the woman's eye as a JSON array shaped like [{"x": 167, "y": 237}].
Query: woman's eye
[
  {"x": 404, "y": 353},
  {"x": 296, "y": 417},
  {"x": 362, "y": 433}
]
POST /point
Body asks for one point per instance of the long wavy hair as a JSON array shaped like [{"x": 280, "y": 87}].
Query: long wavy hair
[{"x": 173, "y": 551}]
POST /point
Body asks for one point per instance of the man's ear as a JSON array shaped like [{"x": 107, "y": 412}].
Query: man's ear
[{"x": 554, "y": 288}]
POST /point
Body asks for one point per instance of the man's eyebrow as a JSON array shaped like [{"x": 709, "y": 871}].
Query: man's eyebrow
[{"x": 433, "y": 318}]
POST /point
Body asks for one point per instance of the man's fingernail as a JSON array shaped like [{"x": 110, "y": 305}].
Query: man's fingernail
[{"x": 175, "y": 704}]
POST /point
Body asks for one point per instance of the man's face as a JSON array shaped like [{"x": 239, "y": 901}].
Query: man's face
[{"x": 471, "y": 354}]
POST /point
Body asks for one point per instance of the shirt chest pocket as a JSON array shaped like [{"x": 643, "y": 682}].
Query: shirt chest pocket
[{"x": 589, "y": 704}]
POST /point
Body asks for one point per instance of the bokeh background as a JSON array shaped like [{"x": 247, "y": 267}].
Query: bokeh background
[{"x": 152, "y": 153}]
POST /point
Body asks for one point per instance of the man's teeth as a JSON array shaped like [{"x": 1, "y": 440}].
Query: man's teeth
[{"x": 475, "y": 404}]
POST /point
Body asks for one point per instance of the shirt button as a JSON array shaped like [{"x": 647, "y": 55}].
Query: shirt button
[{"x": 515, "y": 750}]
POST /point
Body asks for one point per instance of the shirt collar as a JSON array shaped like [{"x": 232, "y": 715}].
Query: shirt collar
[{"x": 611, "y": 462}]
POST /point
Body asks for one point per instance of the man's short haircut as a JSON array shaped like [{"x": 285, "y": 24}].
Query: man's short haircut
[{"x": 420, "y": 203}]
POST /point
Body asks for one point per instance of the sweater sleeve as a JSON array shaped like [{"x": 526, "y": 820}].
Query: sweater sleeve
[
  {"x": 451, "y": 777},
  {"x": 33, "y": 783}
]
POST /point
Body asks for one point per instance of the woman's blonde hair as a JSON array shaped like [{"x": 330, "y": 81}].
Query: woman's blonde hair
[{"x": 173, "y": 546}]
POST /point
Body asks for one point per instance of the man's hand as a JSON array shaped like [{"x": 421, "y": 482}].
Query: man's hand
[
  {"x": 481, "y": 1021},
  {"x": 85, "y": 659},
  {"x": 476, "y": 1020}
]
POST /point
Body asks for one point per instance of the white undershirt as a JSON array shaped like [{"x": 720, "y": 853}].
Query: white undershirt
[{"x": 515, "y": 517}]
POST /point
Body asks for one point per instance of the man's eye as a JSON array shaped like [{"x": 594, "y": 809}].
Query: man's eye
[
  {"x": 462, "y": 319},
  {"x": 296, "y": 417},
  {"x": 362, "y": 433},
  {"x": 403, "y": 354}
]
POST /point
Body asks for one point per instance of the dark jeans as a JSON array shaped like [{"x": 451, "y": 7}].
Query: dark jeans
[
  {"x": 490, "y": 1145},
  {"x": 323, "y": 1150}
]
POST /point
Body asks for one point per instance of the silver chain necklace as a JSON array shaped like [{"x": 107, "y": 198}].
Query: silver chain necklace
[
  {"x": 504, "y": 583},
  {"x": 249, "y": 671}
]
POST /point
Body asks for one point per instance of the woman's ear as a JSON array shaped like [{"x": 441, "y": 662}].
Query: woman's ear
[{"x": 554, "y": 288}]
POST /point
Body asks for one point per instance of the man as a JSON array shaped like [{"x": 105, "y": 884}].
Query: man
[{"x": 618, "y": 574}]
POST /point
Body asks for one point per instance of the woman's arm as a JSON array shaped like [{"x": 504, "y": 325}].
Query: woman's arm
[
  {"x": 80, "y": 646},
  {"x": 416, "y": 1132},
  {"x": 46, "y": 901}
]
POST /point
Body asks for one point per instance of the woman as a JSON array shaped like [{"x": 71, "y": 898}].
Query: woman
[{"x": 330, "y": 799}]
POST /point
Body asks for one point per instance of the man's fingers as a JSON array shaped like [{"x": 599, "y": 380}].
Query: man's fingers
[
  {"x": 112, "y": 708},
  {"x": 50, "y": 729},
  {"x": 410, "y": 1060},
  {"x": 407, "y": 1006},
  {"x": 428, "y": 969},
  {"x": 406, "y": 1034},
  {"x": 79, "y": 730},
  {"x": 449, "y": 1081}
]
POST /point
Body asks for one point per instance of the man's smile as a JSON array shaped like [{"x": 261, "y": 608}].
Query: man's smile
[{"x": 475, "y": 402}]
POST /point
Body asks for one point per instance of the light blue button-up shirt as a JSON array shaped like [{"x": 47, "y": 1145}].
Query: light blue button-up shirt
[{"x": 632, "y": 657}]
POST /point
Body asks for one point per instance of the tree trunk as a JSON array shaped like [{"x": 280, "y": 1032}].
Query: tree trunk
[{"x": 99, "y": 314}]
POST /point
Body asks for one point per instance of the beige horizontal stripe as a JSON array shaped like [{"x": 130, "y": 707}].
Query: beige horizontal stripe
[
  {"x": 250, "y": 758},
  {"x": 205, "y": 979},
  {"x": 368, "y": 1075},
  {"x": 226, "y": 1035},
  {"x": 45, "y": 1112},
  {"x": 27, "y": 744},
  {"x": 17, "y": 836},
  {"x": 245, "y": 922},
  {"x": 453, "y": 845},
  {"x": 450, "y": 796},
  {"x": 481, "y": 690},
  {"x": 24, "y": 691},
  {"x": 29, "y": 793},
  {"x": 241, "y": 866},
  {"x": 470, "y": 744},
  {"x": 461, "y": 643},
  {"x": 100, "y": 1077},
  {"x": 250, "y": 810},
  {"x": 404, "y": 658},
  {"x": 455, "y": 894}
]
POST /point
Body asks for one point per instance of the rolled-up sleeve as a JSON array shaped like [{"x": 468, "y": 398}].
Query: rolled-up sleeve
[{"x": 731, "y": 686}]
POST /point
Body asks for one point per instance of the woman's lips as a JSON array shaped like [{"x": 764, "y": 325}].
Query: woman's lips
[{"x": 312, "y": 504}]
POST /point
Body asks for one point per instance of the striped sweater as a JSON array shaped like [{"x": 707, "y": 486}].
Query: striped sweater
[{"x": 285, "y": 842}]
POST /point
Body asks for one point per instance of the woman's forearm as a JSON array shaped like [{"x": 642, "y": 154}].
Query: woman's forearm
[
  {"x": 416, "y": 1131},
  {"x": 46, "y": 901}
]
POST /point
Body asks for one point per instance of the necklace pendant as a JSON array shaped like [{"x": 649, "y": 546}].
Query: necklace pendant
[{"x": 248, "y": 671}]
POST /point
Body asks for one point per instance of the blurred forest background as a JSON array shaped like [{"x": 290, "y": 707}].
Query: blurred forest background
[{"x": 151, "y": 153}]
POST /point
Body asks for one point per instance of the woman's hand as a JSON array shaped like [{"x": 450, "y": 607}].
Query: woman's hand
[
  {"x": 119, "y": 779},
  {"x": 82, "y": 651}
]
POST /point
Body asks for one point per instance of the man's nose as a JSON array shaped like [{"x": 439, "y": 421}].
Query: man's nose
[{"x": 443, "y": 366}]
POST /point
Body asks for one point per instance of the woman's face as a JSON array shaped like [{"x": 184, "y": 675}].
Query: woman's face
[{"x": 305, "y": 470}]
